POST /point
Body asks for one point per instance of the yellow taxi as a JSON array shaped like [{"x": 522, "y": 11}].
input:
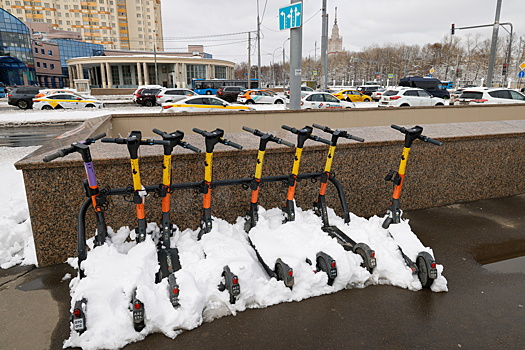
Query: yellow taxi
[
  {"x": 351, "y": 95},
  {"x": 202, "y": 104},
  {"x": 65, "y": 101}
]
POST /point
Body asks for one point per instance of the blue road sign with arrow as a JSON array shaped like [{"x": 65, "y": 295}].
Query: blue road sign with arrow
[
  {"x": 521, "y": 74},
  {"x": 291, "y": 16}
]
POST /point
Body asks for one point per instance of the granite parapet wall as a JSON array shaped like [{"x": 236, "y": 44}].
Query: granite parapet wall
[{"x": 472, "y": 164}]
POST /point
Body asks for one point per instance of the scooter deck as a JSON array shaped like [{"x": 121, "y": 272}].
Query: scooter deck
[{"x": 334, "y": 232}]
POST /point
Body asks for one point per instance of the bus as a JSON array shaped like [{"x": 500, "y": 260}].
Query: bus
[{"x": 210, "y": 86}]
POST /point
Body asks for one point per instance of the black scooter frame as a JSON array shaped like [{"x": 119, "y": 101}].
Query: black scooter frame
[{"x": 361, "y": 249}]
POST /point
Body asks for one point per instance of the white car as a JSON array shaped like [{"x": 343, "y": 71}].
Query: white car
[
  {"x": 409, "y": 97},
  {"x": 173, "y": 94},
  {"x": 323, "y": 100},
  {"x": 376, "y": 95},
  {"x": 202, "y": 104},
  {"x": 65, "y": 101},
  {"x": 260, "y": 97},
  {"x": 484, "y": 95}
]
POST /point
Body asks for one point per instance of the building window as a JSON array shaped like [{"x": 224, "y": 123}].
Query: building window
[
  {"x": 45, "y": 65},
  {"x": 195, "y": 71},
  {"x": 220, "y": 72},
  {"x": 36, "y": 49},
  {"x": 52, "y": 66},
  {"x": 126, "y": 74},
  {"x": 50, "y": 53},
  {"x": 42, "y": 51},
  {"x": 38, "y": 64}
]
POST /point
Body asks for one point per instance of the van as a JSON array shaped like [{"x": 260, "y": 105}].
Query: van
[{"x": 431, "y": 85}]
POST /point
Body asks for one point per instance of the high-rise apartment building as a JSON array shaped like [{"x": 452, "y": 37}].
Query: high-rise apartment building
[{"x": 116, "y": 24}]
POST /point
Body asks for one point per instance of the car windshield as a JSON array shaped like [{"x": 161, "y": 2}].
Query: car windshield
[{"x": 330, "y": 98}]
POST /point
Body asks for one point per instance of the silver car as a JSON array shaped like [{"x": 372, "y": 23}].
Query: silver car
[{"x": 167, "y": 95}]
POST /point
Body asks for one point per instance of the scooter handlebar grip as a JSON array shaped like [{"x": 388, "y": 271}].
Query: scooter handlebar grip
[
  {"x": 98, "y": 137},
  {"x": 432, "y": 141},
  {"x": 245, "y": 128},
  {"x": 289, "y": 128},
  {"x": 191, "y": 147},
  {"x": 320, "y": 139},
  {"x": 158, "y": 132},
  {"x": 199, "y": 131},
  {"x": 399, "y": 128},
  {"x": 118, "y": 140},
  {"x": 324, "y": 128},
  {"x": 286, "y": 143},
  {"x": 53, "y": 156},
  {"x": 230, "y": 143},
  {"x": 360, "y": 139}
]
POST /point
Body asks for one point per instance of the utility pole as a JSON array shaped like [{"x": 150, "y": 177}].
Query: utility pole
[
  {"x": 324, "y": 47},
  {"x": 249, "y": 62},
  {"x": 155, "y": 57},
  {"x": 296, "y": 60},
  {"x": 258, "y": 46},
  {"x": 493, "y": 45}
]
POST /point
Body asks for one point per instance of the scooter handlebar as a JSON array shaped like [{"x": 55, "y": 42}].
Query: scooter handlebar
[
  {"x": 159, "y": 132},
  {"x": 230, "y": 143},
  {"x": 190, "y": 147},
  {"x": 118, "y": 140},
  {"x": 97, "y": 137},
  {"x": 199, "y": 131},
  {"x": 53, "y": 156},
  {"x": 289, "y": 128},
  {"x": 399, "y": 128},
  {"x": 432, "y": 141},
  {"x": 320, "y": 139},
  {"x": 252, "y": 131},
  {"x": 324, "y": 128},
  {"x": 283, "y": 142}
]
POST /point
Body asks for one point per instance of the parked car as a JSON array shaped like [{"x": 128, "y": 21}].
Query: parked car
[
  {"x": 432, "y": 85},
  {"x": 202, "y": 104},
  {"x": 229, "y": 93},
  {"x": 22, "y": 97},
  {"x": 146, "y": 95},
  {"x": 323, "y": 100},
  {"x": 304, "y": 90},
  {"x": 351, "y": 95},
  {"x": 65, "y": 101},
  {"x": 46, "y": 92},
  {"x": 166, "y": 95},
  {"x": 484, "y": 95},
  {"x": 409, "y": 97},
  {"x": 260, "y": 97},
  {"x": 368, "y": 89},
  {"x": 376, "y": 95}
]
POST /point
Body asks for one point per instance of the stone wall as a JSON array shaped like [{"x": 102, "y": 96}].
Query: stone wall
[{"x": 477, "y": 160}]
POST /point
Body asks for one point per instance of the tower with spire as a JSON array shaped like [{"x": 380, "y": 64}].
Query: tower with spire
[{"x": 335, "y": 42}]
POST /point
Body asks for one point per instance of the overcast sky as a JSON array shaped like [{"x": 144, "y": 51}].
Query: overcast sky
[{"x": 362, "y": 23}]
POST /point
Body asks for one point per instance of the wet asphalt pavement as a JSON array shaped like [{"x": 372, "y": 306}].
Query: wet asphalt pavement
[{"x": 482, "y": 310}]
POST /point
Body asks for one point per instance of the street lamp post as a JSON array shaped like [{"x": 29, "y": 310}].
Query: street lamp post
[{"x": 284, "y": 60}]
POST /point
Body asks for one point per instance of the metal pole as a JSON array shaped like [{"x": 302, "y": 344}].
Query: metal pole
[
  {"x": 258, "y": 46},
  {"x": 493, "y": 45},
  {"x": 296, "y": 50},
  {"x": 284, "y": 59},
  {"x": 155, "y": 56},
  {"x": 249, "y": 62},
  {"x": 324, "y": 47}
]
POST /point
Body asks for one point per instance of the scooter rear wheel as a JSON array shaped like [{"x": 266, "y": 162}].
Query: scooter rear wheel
[
  {"x": 321, "y": 266},
  {"x": 424, "y": 261},
  {"x": 362, "y": 254}
]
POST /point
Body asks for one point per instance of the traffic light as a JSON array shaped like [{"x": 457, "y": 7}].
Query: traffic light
[
  {"x": 458, "y": 72},
  {"x": 453, "y": 29},
  {"x": 504, "y": 71}
]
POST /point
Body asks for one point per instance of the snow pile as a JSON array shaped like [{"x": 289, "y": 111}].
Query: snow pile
[
  {"x": 115, "y": 269},
  {"x": 16, "y": 237}
]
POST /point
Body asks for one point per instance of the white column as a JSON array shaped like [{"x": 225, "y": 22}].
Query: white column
[
  {"x": 110, "y": 76},
  {"x": 146, "y": 73},
  {"x": 103, "y": 75},
  {"x": 139, "y": 73}
]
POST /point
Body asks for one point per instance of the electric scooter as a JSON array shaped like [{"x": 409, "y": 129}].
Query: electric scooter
[
  {"x": 168, "y": 257},
  {"x": 424, "y": 266},
  {"x": 230, "y": 280},
  {"x": 361, "y": 249},
  {"x": 133, "y": 142},
  {"x": 324, "y": 262},
  {"x": 282, "y": 270},
  {"x": 78, "y": 316}
]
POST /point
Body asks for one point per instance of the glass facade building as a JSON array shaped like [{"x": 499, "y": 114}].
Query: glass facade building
[
  {"x": 69, "y": 48},
  {"x": 15, "y": 42}
]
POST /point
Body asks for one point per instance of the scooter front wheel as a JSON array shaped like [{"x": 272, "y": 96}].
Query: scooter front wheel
[{"x": 424, "y": 263}]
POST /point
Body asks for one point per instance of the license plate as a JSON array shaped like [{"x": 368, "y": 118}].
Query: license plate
[
  {"x": 433, "y": 273},
  {"x": 78, "y": 324}
]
